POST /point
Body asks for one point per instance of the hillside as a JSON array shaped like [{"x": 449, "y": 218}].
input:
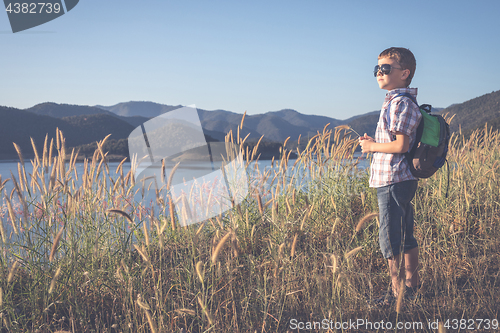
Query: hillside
[
  {"x": 90, "y": 128},
  {"x": 475, "y": 112},
  {"x": 84, "y": 125},
  {"x": 302, "y": 120},
  {"x": 366, "y": 123},
  {"x": 19, "y": 126},
  {"x": 66, "y": 110},
  {"x": 493, "y": 125},
  {"x": 142, "y": 109},
  {"x": 274, "y": 125}
]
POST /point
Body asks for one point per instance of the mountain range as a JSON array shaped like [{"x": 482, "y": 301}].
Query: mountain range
[{"x": 84, "y": 125}]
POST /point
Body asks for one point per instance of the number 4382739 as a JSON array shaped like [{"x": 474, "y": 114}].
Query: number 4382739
[
  {"x": 471, "y": 324},
  {"x": 33, "y": 8}
]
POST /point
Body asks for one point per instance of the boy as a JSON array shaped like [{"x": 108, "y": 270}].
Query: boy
[{"x": 390, "y": 173}]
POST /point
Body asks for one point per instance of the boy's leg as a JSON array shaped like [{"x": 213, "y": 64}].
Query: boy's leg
[
  {"x": 404, "y": 268},
  {"x": 396, "y": 232},
  {"x": 411, "y": 248},
  {"x": 411, "y": 267},
  {"x": 390, "y": 235},
  {"x": 396, "y": 272}
]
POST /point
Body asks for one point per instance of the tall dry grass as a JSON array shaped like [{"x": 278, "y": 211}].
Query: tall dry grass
[{"x": 80, "y": 254}]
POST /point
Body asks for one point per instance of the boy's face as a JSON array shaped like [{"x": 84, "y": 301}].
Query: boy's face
[{"x": 395, "y": 79}]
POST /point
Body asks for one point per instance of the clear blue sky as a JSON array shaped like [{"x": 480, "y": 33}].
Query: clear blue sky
[{"x": 316, "y": 57}]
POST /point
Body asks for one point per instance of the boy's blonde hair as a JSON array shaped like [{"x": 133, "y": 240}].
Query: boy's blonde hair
[{"x": 404, "y": 57}]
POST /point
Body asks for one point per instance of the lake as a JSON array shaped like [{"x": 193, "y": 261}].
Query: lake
[
  {"x": 202, "y": 205},
  {"x": 6, "y": 167}
]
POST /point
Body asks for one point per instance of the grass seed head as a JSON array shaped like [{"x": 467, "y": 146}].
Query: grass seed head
[
  {"x": 337, "y": 220},
  {"x": 199, "y": 270},
  {"x": 53, "y": 250},
  {"x": 141, "y": 304},
  {"x": 3, "y": 232},
  {"x": 186, "y": 312},
  {"x": 280, "y": 250},
  {"x": 122, "y": 213},
  {"x": 335, "y": 264},
  {"x": 12, "y": 215},
  {"x": 12, "y": 271},
  {"x": 365, "y": 219},
  {"x": 54, "y": 279},
  {"x": 259, "y": 201},
  {"x": 353, "y": 252},
  {"x": 294, "y": 245},
  {"x": 218, "y": 248}
]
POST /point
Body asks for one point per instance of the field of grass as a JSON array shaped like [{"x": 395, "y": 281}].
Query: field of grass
[{"x": 80, "y": 255}]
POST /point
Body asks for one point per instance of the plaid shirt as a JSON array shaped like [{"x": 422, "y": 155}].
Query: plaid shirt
[{"x": 404, "y": 117}]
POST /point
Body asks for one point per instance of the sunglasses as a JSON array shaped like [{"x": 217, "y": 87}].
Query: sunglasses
[{"x": 385, "y": 69}]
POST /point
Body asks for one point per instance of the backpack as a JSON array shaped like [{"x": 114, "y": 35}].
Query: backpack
[{"x": 430, "y": 148}]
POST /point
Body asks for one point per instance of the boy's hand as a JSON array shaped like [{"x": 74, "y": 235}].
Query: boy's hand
[
  {"x": 366, "y": 137},
  {"x": 365, "y": 142},
  {"x": 398, "y": 146}
]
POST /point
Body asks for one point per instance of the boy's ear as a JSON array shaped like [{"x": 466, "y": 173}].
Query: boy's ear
[{"x": 404, "y": 74}]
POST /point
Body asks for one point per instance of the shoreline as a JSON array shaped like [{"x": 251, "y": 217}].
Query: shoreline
[
  {"x": 112, "y": 158},
  {"x": 119, "y": 158}
]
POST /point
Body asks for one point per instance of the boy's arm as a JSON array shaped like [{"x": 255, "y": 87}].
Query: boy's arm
[{"x": 399, "y": 146}]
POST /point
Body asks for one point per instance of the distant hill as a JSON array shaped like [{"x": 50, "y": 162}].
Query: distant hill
[
  {"x": 475, "y": 112},
  {"x": 84, "y": 125},
  {"x": 19, "y": 125},
  {"x": 142, "y": 109},
  {"x": 66, "y": 110},
  {"x": 274, "y": 125},
  {"x": 90, "y": 128},
  {"x": 15, "y": 125},
  {"x": 366, "y": 123},
  {"x": 298, "y": 119}
]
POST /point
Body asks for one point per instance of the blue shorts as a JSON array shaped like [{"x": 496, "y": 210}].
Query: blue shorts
[{"x": 396, "y": 218}]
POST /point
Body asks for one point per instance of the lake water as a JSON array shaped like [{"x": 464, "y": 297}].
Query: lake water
[
  {"x": 185, "y": 171},
  {"x": 202, "y": 205},
  {"x": 205, "y": 176},
  {"x": 189, "y": 171}
]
